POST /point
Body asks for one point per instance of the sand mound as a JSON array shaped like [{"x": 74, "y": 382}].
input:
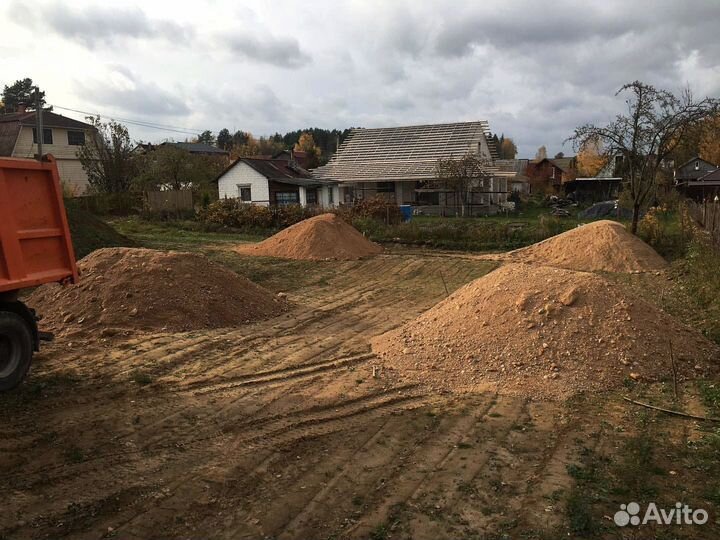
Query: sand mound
[
  {"x": 144, "y": 289},
  {"x": 321, "y": 237},
  {"x": 599, "y": 246},
  {"x": 542, "y": 332}
]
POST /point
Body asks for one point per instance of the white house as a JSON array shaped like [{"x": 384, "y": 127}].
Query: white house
[
  {"x": 399, "y": 164},
  {"x": 275, "y": 182},
  {"x": 62, "y": 137}
]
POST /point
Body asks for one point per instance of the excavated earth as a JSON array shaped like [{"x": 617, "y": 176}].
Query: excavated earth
[
  {"x": 318, "y": 238},
  {"x": 543, "y": 332},
  {"x": 598, "y": 246},
  {"x": 145, "y": 289}
]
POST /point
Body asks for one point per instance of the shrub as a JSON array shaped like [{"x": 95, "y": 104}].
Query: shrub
[
  {"x": 375, "y": 208},
  {"x": 234, "y": 213}
]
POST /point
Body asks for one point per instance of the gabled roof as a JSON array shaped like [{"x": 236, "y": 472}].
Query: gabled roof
[
  {"x": 693, "y": 160},
  {"x": 197, "y": 148},
  {"x": 401, "y": 153},
  {"x": 10, "y": 125},
  {"x": 278, "y": 170},
  {"x": 9, "y": 132},
  {"x": 49, "y": 118},
  {"x": 564, "y": 163},
  {"x": 710, "y": 177}
]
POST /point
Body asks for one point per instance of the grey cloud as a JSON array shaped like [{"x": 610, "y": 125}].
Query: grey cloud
[
  {"x": 281, "y": 52},
  {"x": 141, "y": 97},
  {"x": 96, "y": 25}
]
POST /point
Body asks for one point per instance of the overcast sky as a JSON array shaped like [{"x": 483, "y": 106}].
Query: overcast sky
[{"x": 533, "y": 69}]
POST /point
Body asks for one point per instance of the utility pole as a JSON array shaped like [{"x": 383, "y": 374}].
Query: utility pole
[{"x": 39, "y": 123}]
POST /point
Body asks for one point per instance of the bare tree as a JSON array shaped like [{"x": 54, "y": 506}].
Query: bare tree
[
  {"x": 655, "y": 123},
  {"x": 107, "y": 157},
  {"x": 462, "y": 176}
]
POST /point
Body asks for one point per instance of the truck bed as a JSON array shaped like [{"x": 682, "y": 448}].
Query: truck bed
[{"x": 35, "y": 243}]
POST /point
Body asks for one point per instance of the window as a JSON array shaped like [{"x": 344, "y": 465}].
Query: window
[
  {"x": 697, "y": 165},
  {"x": 244, "y": 193},
  {"x": 47, "y": 136},
  {"x": 283, "y": 198},
  {"x": 311, "y": 196},
  {"x": 386, "y": 187},
  {"x": 331, "y": 195},
  {"x": 76, "y": 138}
]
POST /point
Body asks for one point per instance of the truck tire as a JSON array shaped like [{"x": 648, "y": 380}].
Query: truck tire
[{"x": 16, "y": 350}]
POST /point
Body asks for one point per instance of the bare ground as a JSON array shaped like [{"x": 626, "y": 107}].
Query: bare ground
[{"x": 281, "y": 430}]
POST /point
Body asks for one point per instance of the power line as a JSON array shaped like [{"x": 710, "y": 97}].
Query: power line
[{"x": 140, "y": 123}]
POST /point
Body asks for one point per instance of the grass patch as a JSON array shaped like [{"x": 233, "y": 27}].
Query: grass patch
[{"x": 180, "y": 235}]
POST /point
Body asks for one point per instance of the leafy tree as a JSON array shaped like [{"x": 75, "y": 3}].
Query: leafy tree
[
  {"x": 206, "y": 137},
  {"x": 646, "y": 136},
  {"x": 239, "y": 138},
  {"x": 224, "y": 139},
  {"x": 462, "y": 176},
  {"x": 702, "y": 140},
  {"x": 21, "y": 91},
  {"x": 560, "y": 155},
  {"x": 541, "y": 153},
  {"x": 508, "y": 149},
  {"x": 590, "y": 158},
  {"x": 170, "y": 167},
  {"x": 107, "y": 157},
  {"x": 306, "y": 144}
]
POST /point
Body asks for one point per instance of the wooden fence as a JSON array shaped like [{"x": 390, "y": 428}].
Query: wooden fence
[
  {"x": 171, "y": 201},
  {"x": 707, "y": 214}
]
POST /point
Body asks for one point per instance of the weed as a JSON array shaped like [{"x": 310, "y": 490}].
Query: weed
[
  {"x": 142, "y": 378},
  {"x": 74, "y": 454}
]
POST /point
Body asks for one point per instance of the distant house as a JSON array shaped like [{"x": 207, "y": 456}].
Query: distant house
[
  {"x": 275, "y": 182},
  {"x": 202, "y": 149},
  {"x": 698, "y": 179},
  {"x": 519, "y": 181},
  {"x": 604, "y": 186},
  {"x": 548, "y": 175},
  {"x": 62, "y": 137},
  {"x": 693, "y": 169},
  {"x": 399, "y": 164}
]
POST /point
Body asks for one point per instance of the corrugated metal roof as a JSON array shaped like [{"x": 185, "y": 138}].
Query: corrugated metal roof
[{"x": 401, "y": 153}]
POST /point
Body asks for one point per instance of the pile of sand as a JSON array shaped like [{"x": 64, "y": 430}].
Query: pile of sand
[
  {"x": 321, "y": 237},
  {"x": 144, "y": 289},
  {"x": 542, "y": 332},
  {"x": 599, "y": 246}
]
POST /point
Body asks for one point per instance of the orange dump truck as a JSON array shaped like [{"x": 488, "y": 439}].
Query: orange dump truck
[{"x": 35, "y": 248}]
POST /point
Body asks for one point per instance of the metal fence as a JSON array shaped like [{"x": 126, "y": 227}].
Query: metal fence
[{"x": 707, "y": 214}]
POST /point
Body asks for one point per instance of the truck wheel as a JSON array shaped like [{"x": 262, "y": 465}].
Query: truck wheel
[{"x": 15, "y": 350}]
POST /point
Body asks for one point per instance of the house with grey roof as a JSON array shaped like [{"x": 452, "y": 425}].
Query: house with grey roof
[
  {"x": 62, "y": 137},
  {"x": 399, "y": 164},
  {"x": 274, "y": 182}
]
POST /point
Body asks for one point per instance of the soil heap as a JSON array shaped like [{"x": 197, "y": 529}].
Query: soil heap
[
  {"x": 145, "y": 289},
  {"x": 318, "y": 238},
  {"x": 542, "y": 332},
  {"x": 599, "y": 246}
]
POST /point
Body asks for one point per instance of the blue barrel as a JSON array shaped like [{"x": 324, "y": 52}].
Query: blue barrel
[{"x": 406, "y": 211}]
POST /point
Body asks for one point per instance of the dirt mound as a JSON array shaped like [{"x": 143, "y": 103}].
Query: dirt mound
[
  {"x": 599, "y": 246},
  {"x": 543, "y": 332},
  {"x": 321, "y": 237},
  {"x": 145, "y": 289}
]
